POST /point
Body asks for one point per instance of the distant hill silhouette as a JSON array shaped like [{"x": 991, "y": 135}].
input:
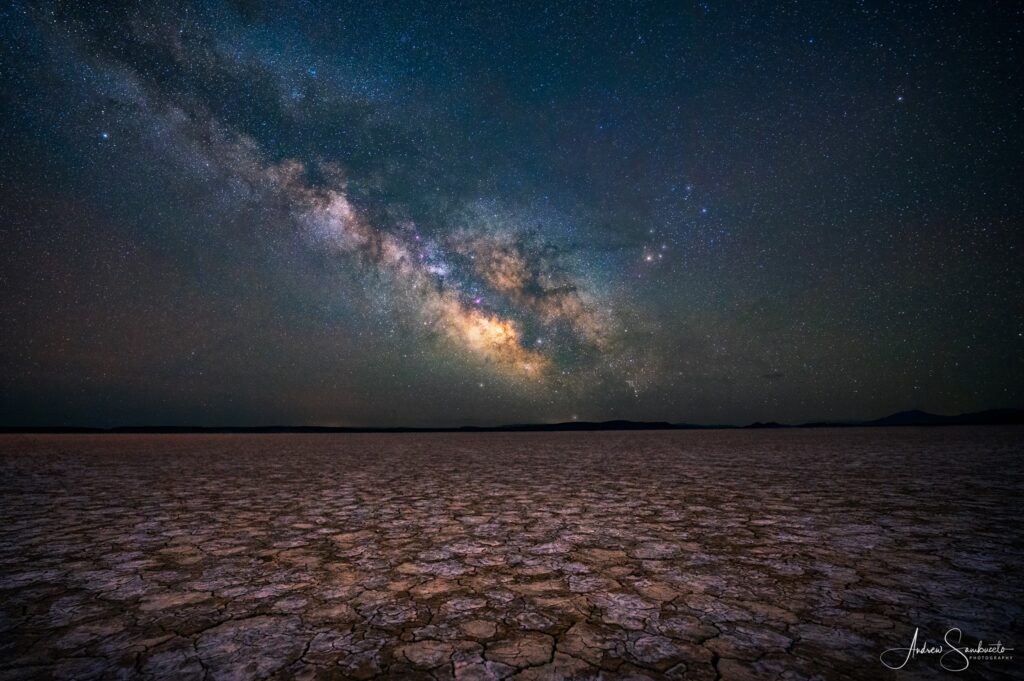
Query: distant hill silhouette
[
  {"x": 990, "y": 417},
  {"x": 916, "y": 417},
  {"x": 767, "y": 424}
]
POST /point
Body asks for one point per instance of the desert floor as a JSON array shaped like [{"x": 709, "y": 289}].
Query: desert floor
[{"x": 794, "y": 554}]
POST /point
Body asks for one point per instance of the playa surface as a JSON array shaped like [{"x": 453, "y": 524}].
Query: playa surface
[{"x": 794, "y": 554}]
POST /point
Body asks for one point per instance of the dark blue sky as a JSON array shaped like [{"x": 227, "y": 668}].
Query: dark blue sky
[{"x": 399, "y": 213}]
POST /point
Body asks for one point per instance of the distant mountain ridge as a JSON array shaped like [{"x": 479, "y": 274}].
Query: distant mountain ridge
[{"x": 915, "y": 418}]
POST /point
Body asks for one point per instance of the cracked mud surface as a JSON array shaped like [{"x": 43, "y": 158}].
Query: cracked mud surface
[{"x": 659, "y": 555}]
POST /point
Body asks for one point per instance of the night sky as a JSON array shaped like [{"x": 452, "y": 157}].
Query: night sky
[{"x": 406, "y": 213}]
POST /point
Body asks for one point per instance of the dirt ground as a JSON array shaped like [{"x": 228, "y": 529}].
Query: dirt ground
[{"x": 795, "y": 554}]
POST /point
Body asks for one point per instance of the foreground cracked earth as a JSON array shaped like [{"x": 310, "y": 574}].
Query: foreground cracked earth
[{"x": 659, "y": 555}]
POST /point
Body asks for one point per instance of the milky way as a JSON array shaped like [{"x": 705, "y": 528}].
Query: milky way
[{"x": 221, "y": 213}]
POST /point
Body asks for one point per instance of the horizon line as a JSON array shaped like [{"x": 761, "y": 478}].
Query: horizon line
[{"x": 913, "y": 417}]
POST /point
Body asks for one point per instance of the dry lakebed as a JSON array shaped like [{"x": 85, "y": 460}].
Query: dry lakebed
[{"x": 731, "y": 554}]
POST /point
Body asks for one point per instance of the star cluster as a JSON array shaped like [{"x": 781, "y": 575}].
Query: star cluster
[{"x": 406, "y": 213}]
